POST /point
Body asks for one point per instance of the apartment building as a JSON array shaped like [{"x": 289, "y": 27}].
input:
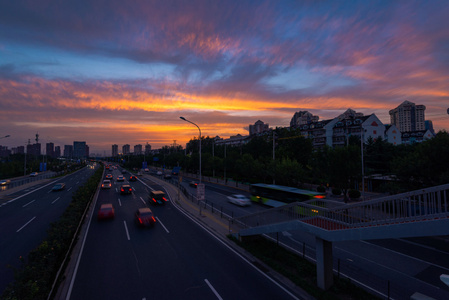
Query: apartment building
[{"x": 408, "y": 117}]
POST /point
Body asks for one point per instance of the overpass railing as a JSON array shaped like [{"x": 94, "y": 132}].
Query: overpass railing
[{"x": 424, "y": 204}]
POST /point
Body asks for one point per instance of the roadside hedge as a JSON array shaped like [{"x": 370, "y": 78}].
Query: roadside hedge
[{"x": 35, "y": 278}]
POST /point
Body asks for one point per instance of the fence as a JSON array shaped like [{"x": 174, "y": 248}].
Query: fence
[
  {"x": 431, "y": 203},
  {"x": 223, "y": 212},
  {"x": 19, "y": 181}
]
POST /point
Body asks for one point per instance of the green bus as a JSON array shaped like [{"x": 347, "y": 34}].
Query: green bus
[{"x": 277, "y": 195}]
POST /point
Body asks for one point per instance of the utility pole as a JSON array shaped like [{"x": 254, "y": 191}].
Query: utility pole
[{"x": 274, "y": 159}]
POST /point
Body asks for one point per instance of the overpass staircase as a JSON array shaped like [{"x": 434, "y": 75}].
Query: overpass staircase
[{"x": 423, "y": 212}]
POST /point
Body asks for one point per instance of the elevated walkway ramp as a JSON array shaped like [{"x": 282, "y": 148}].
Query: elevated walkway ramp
[{"x": 419, "y": 213}]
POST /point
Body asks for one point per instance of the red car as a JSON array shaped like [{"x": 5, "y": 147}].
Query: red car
[
  {"x": 106, "y": 212},
  {"x": 145, "y": 217}
]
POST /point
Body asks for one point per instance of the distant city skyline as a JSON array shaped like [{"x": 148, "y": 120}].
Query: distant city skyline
[{"x": 124, "y": 73}]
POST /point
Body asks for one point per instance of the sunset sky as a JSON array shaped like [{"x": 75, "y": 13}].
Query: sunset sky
[{"x": 123, "y": 72}]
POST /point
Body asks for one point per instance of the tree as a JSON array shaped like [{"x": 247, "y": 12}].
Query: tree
[
  {"x": 425, "y": 164},
  {"x": 344, "y": 167}
]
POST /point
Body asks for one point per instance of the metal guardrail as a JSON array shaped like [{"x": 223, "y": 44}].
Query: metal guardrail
[
  {"x": 425, "y": 204},
  {"x": 25, "y": 180},
  {"x": 203, "y": 205}
]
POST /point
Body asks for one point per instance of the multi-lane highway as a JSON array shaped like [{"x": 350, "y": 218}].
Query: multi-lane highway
[
  {"x": 176, "y": 259},
  {"x": 26, "y": 215},
  {"x": 180, "y": 259},
  {"x": 395, "y": 268}
]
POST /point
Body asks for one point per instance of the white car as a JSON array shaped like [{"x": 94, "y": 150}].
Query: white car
[
  {"x": 34, "y": 174},
  {"x": 239, "y": 200},
  {"x": 106, "y": 184},
  {"x": 120, "y": 178}
]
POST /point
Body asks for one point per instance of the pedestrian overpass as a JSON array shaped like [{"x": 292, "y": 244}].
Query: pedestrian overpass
[{"x": 418, "y": 213}]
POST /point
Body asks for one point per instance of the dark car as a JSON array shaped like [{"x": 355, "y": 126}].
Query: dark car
[
  {"x": 58, "y": 187},
  {"x": 106, "y": 211},
  {"x": 193, "y": 184},
  {"x": 167, "y": 176},
  {"x": 145, "y": 217},
  {"x": 108, "y": 176},
  {"x": 157, "y": 197},
  {"x": 126, "y": 189},
  {"x": 132, "y": 178}
]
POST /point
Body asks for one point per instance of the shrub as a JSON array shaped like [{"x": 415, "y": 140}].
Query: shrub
[{"x": 354, "y": 194}]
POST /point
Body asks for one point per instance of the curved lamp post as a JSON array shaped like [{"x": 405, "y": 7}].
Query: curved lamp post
[
  {"x": 6, "y": 136},
  {"x": 182, "y": 118}
]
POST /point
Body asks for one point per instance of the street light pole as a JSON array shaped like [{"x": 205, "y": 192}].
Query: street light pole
[
  {"x": 182, "y": 118},
  {"x": 362, "y": 142}
]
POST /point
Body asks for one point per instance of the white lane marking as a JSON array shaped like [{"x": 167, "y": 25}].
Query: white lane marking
[
  {"x": 12, "y": 200},
  {"x": 232, "y": 250},
  {"x": 28, "y": 203},
  {"x": 126, "y": 229},
  {"x": 69, "y": 189},
  {"x": 162, "y": 225},
  {"x": 213, "y": 290},
  {"x": 55, "y": 200},
  {"x": 405, "y": 255},
  {"x": 142, "y": 200},
  {"x": 119, "y": 202},
  {"x": 388, "y": 268},
  {"x": 49, "y": 191},
  {"x": 422, "y": 246},
  {"x": 25, "y": 224},
  {"x": 77, "y": 182}
]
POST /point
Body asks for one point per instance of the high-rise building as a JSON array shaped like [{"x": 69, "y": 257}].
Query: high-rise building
[
  {"x": 258, "y": 127},
  {"x": 303, "y": 118},
  {"x": 18, "y": 149},
  {"x": 137, "y": 149},
  {"x": 126, "y": 149},
  {"x": 49, "y": 149},
  {"x": 34, "y": 149},
  {"x": 57, "y": 151},
  {"x": 4, "y": 151},
  {"x": 114, "y": 150},
  {"x": 68, "y": 151},
  {"x": 79, "y": 150},
  {"x": 408, "y": 117},
  {"x": 147, "y": 148}
]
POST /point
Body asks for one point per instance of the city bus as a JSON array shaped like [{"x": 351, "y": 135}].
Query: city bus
[{"x": 277, "y": 195}]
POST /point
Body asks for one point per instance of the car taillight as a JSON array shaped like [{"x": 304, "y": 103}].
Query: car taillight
[
  {"x": 164, "y": 198},
  {"x": 140, "y": 220},
  {"x": 154, "y": 220}
]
